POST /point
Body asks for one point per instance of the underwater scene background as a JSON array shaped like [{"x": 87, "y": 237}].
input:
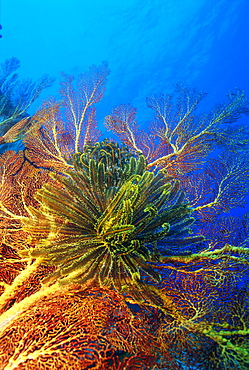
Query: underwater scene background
[{"x": 124, "y": 178}]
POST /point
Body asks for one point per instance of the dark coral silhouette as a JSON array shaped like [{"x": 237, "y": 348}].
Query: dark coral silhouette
[{"x": 16, "y": 96}]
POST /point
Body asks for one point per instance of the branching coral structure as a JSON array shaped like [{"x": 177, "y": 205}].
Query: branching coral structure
[{"x": 121, "y": 256}]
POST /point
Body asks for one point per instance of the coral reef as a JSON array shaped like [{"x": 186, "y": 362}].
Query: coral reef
[{"x": 120, "y": 256}]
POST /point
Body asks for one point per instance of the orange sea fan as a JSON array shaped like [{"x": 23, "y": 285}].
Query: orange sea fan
[{"x": 85, "y": 329}]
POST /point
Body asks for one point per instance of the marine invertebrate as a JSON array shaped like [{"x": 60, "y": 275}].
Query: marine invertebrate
[
  {"x": 76, "y": 331},
  {"x": 78, "y": 102},
  {"x": 64, "y": 128},
  {"x": 222, "y": 186},
  {"x": 103, "y": 219},
  {"x": 16, "y": 96},
  {"x": 182, "y": 138}
]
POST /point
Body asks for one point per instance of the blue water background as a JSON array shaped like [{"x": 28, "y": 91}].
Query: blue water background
[{"x": 149, "y": 45}]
